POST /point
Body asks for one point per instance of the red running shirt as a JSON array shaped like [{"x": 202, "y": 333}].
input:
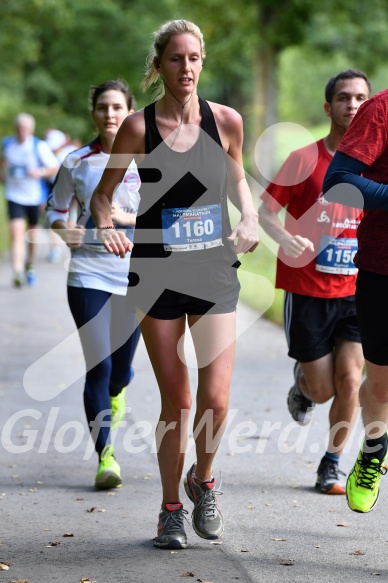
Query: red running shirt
[
  {"x": 366, "y": 140},
  {"x": 298, "y": 186}
]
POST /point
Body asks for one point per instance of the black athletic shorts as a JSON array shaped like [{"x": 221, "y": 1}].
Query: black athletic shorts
[
  {"x": 23, "y": 211},
  {"x": 193, "y": 289},
  {"x": 313, "y": 324},
  {"x": 372, "y": 312}
]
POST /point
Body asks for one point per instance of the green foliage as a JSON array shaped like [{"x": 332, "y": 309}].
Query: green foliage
[
  {"x": 53, "y": 50},
  {"x": 357, "y": 31}
]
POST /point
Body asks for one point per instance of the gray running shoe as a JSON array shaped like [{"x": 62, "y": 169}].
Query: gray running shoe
[
  {"x": 171, "y": 534},
  {"x": 329, "y": 479},
  {"x": 299, "y": 406},
  {"x": 207, "y": 518}
]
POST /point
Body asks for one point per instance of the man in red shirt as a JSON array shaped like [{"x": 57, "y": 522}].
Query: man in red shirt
[
  {"x": 315, "y": 268},
  {"x": 364, "y": 150}
]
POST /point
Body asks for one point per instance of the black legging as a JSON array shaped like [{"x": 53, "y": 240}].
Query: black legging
[{"x": 109, "y": 342}]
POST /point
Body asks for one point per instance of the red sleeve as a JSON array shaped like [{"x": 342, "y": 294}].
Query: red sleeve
[
  {"x": 367, "y": 136},
  {"x": 289, "y": 181}
]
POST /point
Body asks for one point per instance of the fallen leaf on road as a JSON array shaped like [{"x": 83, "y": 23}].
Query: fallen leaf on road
[
  {"x": 287, "y": 562},
  {"x": 53, "y": 544},
  {"x": 357, "y": 553},
  {"x": 92, "y": 509},
  {"x": 375, "y": 573},
  {"x": 19, "y": 581},
  {"x": 79, "y": 499},
  {"x": 203, "y": 581},
  {"x": 244, "y": 551},
  {"x": 188, "y": 574},
  {"x": 251, "y": 506},
  {"x": 4, "y": 567},
  {"x": 343, "y": 524},
  {"x": 279, "y": 539},
  {"x": 68, "y": 534}
]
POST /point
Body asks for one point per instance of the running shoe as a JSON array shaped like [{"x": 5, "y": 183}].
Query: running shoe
[
  {"x": 207, "y": 517},
  {"x": 171, "y": 533},
  {"x": 18, "y": 280},
  {"x": 118, "y": 407},
  {"x": 363, "y": 483},
  {"x": 54, "y": 255},
  {"x": 329, "y": 478},
  {"x": 30, "y": 274},
  {"x": 108, "y": 473},
  {"x": 299, "y": 406}
]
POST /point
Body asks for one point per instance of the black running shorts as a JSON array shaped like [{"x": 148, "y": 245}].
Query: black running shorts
[
  {"x": 372, "y": 312},
  {"x": 313, "y": 324},
  {"x": 23, "y": 211}
]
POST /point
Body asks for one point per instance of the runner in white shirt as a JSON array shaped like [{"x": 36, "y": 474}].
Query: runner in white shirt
[
  {"x": 27, "y": 162},
  {"x": 97, "y": 280}
]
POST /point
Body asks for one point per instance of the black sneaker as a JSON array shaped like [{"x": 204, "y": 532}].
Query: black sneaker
[
  {"x": 171, "y": 533},
  {"x": 329, "y": 479},
  {"x": 299, "y": 406}
]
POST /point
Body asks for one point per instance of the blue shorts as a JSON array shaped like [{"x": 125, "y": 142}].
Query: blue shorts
[{"x": 313, "y": 324}]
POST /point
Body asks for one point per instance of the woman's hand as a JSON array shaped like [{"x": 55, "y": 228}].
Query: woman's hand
[
  {"x": 115, "y": 241},
  {"x": 247, "y": 234}
]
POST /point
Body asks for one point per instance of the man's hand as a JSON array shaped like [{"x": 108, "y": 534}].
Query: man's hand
[{"x": 295, "y": 245}]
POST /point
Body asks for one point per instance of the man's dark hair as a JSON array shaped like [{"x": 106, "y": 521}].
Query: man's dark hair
[{"x": 348, "y": 74}]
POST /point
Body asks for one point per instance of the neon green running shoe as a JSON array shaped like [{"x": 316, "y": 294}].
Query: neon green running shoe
[
  {"x": 118, "y": 407},
  {"x": 363, "y": 483},
  {"x": 108, "y": 473}
]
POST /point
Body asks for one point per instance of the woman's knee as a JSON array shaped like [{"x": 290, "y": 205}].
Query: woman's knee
[
  {"x": 175, "y": 404},
  {"x": 216, "y": 408}
]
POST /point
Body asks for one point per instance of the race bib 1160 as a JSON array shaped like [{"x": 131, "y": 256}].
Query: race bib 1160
[{"x": 193, "y": 228}]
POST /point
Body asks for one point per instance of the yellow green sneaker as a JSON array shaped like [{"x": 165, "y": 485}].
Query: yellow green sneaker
[
  {"x": 118, "y": 407},
  {"x": 363, "y": 483},
  {"x": 108, "y": 473}
]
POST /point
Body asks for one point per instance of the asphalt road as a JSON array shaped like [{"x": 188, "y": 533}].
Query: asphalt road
[{"x": 55, "y": 527}]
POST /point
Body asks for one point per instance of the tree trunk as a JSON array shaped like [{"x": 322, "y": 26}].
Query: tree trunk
[{"x": 264, "y": 114}]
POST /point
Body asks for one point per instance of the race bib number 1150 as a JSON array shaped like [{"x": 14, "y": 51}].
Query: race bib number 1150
[{"x": 337, "y": 255}]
